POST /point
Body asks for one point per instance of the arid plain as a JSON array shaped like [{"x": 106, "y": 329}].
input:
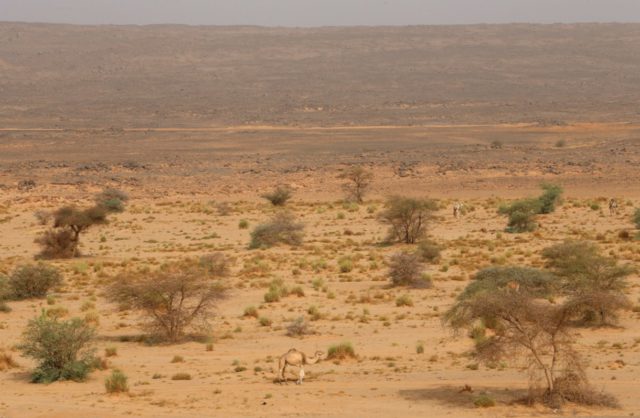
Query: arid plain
[{"x": 195, "y": 124}]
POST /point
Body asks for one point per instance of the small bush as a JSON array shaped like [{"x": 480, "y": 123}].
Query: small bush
[
  {"x": 112, "y": 200},
  {"x": 405, "y": 269},
  {"x": 636, "y": 218},
  {"x": 116, "y": 383},
  {"x": 345, "y": 264},
  {"x": 428, "y": 251},
  {"x": 243, "y": 224},
  {"x": 279, "y": 196},
  {"x": 110, "y": 352},
  {"x": 177, "y": 359},
  {"x": 496, "y": 144},
  {"x": 282, "y": 229},
  {"x": 404, "y": 300},
  {"x": 33, "y": 281},
  {"x": 420, "y": 348},
  {"x": 264, "y": 321},
  {"x": 521, "y": 215},
  {"x": 277, "y": 290},
  {"x": 341, "y": 351},
  {"x": 214, "y": 265},
  {"x": 561, "y": 143},
  {"x": 484, "y": 401},
  {"x": 250, "y": 311},
  {"x": 61, "y": 348},
  {"x": 298, "y": 328},
  {"x": 181, "y": 376}
]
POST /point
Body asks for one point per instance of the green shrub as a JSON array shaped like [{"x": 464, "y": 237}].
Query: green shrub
[
  {"x": 341, "y": 351},
  {"x": 33, "y": 280},
  {"x": 521, "y": 215},
  {"x": 181, "y": 376},
  {"x": 550, "y": 197},
  {"x": 61, "y": 348},
  {"x": 279, "y": 196},
  {"x": 112, "y": 200},
  {"x": 282, "y": 229},
  {"x": 116, "y": 383},
  {"x": 636, "y": 218},
  {"x": 243, "y": 224}
]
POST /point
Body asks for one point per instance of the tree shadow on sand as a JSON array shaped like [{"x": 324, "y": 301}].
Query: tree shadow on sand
[{"x": 456, "y": 396}]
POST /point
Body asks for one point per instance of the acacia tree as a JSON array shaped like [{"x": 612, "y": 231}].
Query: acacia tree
[
  {"x": 594, "y": 281},
  {"x": 407, "y": 217},
  {"x": 173, "y": 297},
  {"x": 523, "y": 326},
  {"x": 68, "y": 223},
  {"x": 358, "y": 182}
]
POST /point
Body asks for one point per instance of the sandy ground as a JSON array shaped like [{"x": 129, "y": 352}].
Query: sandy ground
[{"x": 389, "y": 378}]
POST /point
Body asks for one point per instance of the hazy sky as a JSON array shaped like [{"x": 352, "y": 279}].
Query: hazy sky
[{"x": 318, "y": 12}]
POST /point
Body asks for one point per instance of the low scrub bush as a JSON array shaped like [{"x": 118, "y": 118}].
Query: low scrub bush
[
  {"x": 405, "y": 269},
  {"x": 279, "y": 196},
  {"x": 63, "y": 349},
  {"x": 33, "y": 281},
  {"x": 282, "y": 229},
  {"x": 341, "y": 351},
  {"x": 117, "y": 382}
]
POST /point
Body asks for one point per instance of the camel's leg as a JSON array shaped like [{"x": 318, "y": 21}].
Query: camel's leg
[
  {"x": 300, "y": 376},
  {"x": 283, "y": 376}
]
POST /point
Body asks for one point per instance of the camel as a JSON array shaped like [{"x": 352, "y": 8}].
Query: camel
[
  {"x": 613, "y": 206},
  {"x": 457, "y": 209},
  {"x": 298, "y": 359}
]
